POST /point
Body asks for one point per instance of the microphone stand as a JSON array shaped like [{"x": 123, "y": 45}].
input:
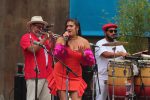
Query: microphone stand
[
  {"x": 113, "y": 73},
  {"x": 51, "y": 50},
  {"x": 36, "y": 69},
  {"x": 67, "y": 69},
  {"x": 95, "y": 69}
]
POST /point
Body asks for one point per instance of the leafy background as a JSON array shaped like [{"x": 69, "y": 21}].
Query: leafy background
[{"x": 133, "y": 19}]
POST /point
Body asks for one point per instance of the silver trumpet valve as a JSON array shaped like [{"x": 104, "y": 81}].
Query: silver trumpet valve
[{"x": 50, "y": 33}]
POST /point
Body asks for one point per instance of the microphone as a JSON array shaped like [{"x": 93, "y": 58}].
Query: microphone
[
  {"x": 93, "y": 45},
  {"x": 66, "y": 35},
  {"x": 66, "y": 38},
  {"x": 38, "y": 43}
]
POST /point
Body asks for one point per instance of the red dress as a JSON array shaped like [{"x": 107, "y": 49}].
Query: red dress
[{"x": 57, "y": 80}]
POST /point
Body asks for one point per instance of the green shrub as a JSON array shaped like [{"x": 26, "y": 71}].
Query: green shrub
[{"x": 133, "y": 19}]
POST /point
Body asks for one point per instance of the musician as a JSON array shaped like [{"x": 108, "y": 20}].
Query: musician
[
  {"x": 36, "y": 57},
  {"x": 103, "y": 54},
  {"x": 72, "y": 50}
]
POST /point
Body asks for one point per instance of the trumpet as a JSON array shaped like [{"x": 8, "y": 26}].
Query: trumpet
[{"x": 50, "y": 33}]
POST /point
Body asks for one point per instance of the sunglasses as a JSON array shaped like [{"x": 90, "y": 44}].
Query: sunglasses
[{"x": 111, "y": 31}]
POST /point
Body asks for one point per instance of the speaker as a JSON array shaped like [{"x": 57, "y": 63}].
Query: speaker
[{"x": 19, "y": 88}]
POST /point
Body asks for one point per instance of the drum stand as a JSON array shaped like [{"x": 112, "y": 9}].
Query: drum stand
[
  {"x": 131, "y": 87},
  {"x": 113, "y": 73},
  {"x": 95, "y": 76}
]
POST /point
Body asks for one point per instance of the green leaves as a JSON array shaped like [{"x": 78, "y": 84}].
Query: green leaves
[{"x": 134, "y": 20}]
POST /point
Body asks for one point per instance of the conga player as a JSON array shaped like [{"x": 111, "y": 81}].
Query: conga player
[{"x": 109, "y": 48}]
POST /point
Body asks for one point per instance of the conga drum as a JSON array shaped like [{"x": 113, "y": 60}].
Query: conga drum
[
  {"x": 120, "y": 79},
  {"x": 142, "y": 81}
]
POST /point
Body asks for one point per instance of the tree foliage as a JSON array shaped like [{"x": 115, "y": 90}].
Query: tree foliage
[{"x": 133, "y": 19}]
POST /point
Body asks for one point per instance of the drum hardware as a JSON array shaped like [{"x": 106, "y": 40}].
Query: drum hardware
[
  {"x": 142, "y": 86},
  {"x": 95, "y": 75},
  {"x": 142, "y": 64},
  {"x": 122, "y": 81},
  {"x": 124, "y": 72},
  {"x": 133, "y": 58},
  {"x": 94, "y": 86},
  {"x": 135, "y": 68},
  {"x": 113, "y": 71},
  {"x": 130, "y": 86},
  {"x": 113, "y": 74},
  {"x": 132, "y": 93},
  {"x": 145, "y": 57}
]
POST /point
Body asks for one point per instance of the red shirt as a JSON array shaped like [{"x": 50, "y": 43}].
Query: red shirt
[{"x": 30, "y": 65}]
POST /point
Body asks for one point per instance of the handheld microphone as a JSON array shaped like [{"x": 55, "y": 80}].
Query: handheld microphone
[
  {"x": 93, "y": 45},
  {"x": 66, "y": 38},
  {"x": 66, "y": 35}
]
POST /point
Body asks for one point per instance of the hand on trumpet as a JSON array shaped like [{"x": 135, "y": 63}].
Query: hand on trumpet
[{"x": 50, "y": 34}]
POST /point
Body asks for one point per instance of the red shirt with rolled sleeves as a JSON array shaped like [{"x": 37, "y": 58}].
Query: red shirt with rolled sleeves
[{"x": 30, "y": 65}]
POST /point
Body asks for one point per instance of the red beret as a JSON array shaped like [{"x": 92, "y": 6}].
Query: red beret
[{"x": 109, "y": 25}]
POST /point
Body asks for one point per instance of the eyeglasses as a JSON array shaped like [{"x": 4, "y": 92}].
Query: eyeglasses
[{"x": 111, "y": 31}]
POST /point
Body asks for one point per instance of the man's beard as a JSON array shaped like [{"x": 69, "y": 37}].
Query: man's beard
[{"x": 111, "y": 38}]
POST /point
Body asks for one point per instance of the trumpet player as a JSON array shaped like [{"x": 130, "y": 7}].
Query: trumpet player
[{"x": 35, "y": 57}]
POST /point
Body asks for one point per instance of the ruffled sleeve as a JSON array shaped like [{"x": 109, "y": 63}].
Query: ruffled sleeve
[
  {"x": 59, "y": 50},
  {"x": 88, "y": 58}
]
